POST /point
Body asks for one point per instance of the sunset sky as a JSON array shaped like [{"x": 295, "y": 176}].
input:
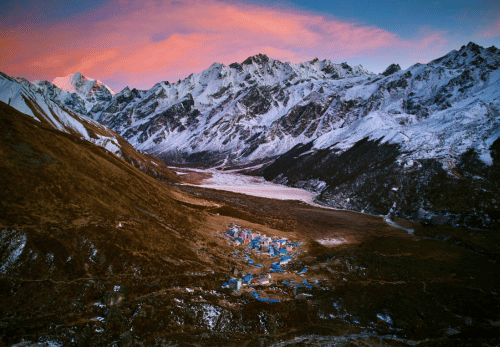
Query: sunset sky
[{"x": 139, "y": 43}]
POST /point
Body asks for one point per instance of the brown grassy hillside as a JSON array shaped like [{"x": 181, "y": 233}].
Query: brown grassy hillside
[{"x": 71, "y": 198}]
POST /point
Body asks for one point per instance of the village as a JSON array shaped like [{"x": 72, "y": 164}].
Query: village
[{"x": 266, "y": 261}]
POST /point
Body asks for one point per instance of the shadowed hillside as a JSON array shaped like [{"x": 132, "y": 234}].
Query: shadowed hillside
[{"x": 74, "y": 217}]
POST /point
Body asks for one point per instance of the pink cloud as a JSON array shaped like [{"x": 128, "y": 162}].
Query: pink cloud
[
  {"x": 493, "y": 30},
  {"x": 140, "y": 43}
]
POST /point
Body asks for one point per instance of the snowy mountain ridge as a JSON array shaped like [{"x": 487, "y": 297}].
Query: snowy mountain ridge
[
  {"x": 79, "y": 84},
  {"x": 22, "y": 96},
  {"x": 263, "y": 107},
  {"x": 358, "y": 130},
  {"x": 200, "y": 112},
  {"x": 30, "y": 100},
  {"x": 80, "y": 93}
]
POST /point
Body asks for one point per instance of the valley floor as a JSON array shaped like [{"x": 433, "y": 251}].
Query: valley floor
[
  {"x": 233, "y": 181},
  {"x": 239, "y": 183},
  {"x": 379, "y": 284},
  {"x": 372, "y": 284}
]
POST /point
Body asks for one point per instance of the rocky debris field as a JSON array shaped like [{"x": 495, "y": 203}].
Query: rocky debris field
[{"x": 383, "y": 286}]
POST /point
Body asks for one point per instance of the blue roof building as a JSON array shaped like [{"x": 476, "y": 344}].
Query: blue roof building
[
  {"x": 247, "y": 278},
  {"x": 268, "y": 300},
  {"x": 285, "y": 259}
]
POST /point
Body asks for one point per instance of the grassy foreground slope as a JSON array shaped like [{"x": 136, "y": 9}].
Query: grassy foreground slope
[{"x": 75, "y": 222}]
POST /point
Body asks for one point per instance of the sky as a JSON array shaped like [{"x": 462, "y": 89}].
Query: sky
[{"x": 139, "y": 43}]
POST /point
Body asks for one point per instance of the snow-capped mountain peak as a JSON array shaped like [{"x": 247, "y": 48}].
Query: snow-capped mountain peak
[
  {"x": 76, "y": 91},
  {"x": 263, "y": 107},
  {"x": 471, "y": 55},
  {"x": 257, "y": 59},
  {"x": 79, "y": 84}
]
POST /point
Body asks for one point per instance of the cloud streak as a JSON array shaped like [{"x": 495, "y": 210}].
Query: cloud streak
[
  {"x": 126, "y": 43},
  {"x": 493, "y": 30}
]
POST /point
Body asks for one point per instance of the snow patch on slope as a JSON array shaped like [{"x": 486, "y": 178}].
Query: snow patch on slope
[{"x": 13, "y": 243}]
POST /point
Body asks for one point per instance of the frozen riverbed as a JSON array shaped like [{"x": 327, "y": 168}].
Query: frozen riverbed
[
  {"x": 258, "y": 186},
  {"x": 251, "y": 185}
]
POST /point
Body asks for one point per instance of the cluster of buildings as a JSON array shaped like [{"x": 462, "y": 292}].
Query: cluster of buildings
[
  {"x": 304, "y": 284},
  {"x": 236, "y": 283},
  {"x": 260, "y": 243}
]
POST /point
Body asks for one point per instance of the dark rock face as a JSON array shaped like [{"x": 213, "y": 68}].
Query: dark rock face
[
  {"x": 391, "y": 69},
  {"x": 170, "y": 119},
  {"x": 257, "y": 101},
  {"x": 368, "y": 178},
  {"x": 302, "y": 119},
  {"x": 259, "y": 59}
]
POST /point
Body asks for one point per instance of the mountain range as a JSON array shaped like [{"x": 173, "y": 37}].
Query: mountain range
[
  {"x": 100, "y": 245},
  {"x": 363, "y": 141}
]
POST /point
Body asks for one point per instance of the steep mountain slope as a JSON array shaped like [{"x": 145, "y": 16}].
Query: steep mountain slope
[
  {"x": 67, "y": 186},
  {"x": 256, "y": 109},
  {"x": 423, "y": 144},
  {"x": 77, "y": 221},
  {"x": 24, "y": 97}
]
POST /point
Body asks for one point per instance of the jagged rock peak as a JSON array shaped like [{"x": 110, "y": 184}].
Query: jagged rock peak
[
  {"x": 216, "y": 66},
  {"x": 127, "y": 94},
  {"x": 393, "y": 68},
  {"x": 470, "y": 55},
  {"x": 471, "y": 46},
  {"x": 259, "y": 59},
  {"x": 477, "y": 49},
  {"x": 125, "y": 91},
  {"x": 346, "y": 66}
]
